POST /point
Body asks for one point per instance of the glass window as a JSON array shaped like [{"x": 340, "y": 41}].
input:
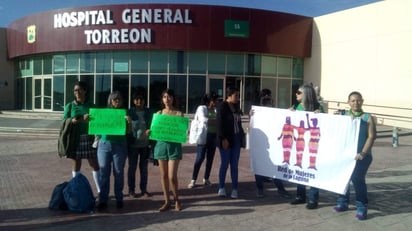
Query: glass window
[
  {"x": 70, "y": 81},
  {"x": 37, "y": 65},
  {"x": 269, "y": 65},
  {"x": 47, "y": 64},
  {"x": 29, "y": 93},
  {"x": 284, "y": 67},
  {"x": 216, "y": 63},
  {"x": 270, "y": 83},
  {"x": 58, "y": 93},
  {"x": 20, "y": 93},
  {"x": 103, "y": 89},
  {"x": 121, "y": 84},
  {"x": 158, "y": 61},
  {"x": 196, "y": 90},
  {"x": 26, "y": 67},
  {"x": 47, "y": 93},
  {"x": 284, "y": 93},
  {"x": 158, "y": 83},
  {"x": 139, "y": 61},
  {"x": 297, "y": 68},
  {"x": 138, "y": 84},
  {"x": 58, "y": 64},
  {"x": 235, "y": 64},
  {"x": 89, "y": 79},
  {"x": 253, "y": 65},
  {"x": 197, "y": 62},
  {"x": 178, "y": 84},
  {"x": 177, "y": 62},
  {"x": 37, "y": 93},
  {"x": 251, "y": 93},
  {"x": 104, "y": 62},
  {"x": 72, "y": 63},
  {"x": 87, "y": 62},
  {"x": 121, "y": 62}
]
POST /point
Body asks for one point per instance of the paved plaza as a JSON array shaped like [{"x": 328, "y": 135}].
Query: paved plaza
[{"x": 30, "y": 168}]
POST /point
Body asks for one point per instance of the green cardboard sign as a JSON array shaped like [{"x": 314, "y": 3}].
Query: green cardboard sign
[
  {"x": 169, "y": 128},
  {"x": 107, "y": 121}
]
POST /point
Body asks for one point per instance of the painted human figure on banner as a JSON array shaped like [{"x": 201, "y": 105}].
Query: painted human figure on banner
[
  {"x": 300, "y": 143},
  {"x": 313, "y": 141},
  {"x": 287, "y": 137}
]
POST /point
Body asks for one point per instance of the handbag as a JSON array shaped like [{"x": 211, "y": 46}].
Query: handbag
[{"x": 198, "y": 131}]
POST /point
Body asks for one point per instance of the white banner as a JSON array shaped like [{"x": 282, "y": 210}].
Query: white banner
[{"x": 314, "y": 149}]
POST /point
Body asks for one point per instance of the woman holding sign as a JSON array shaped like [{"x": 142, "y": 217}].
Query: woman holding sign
[
  {"x": 112, "y": 150},
  {"x": 307, "y": 101},
  {"x": 169, "y": 154},
  {"x": 78, "y": 113},
  {"x": 367, "y": 135}
]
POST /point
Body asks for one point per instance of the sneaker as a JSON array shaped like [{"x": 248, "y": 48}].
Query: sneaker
[
  {"x": 284, "y": 194},
  {"x": 234, "y": 194},
  {"x": 191, "y": 184},
  {"x": 340, "y": 208},
  {"x": 133, "y": 195},
  {"x": 146, "y": 194},
  {"x": 259, "y": 193},
  {"x": 361, "y": 217},
  {"x": 312, "y": 205},
  {"x": 297, "y": 201},
  {"x": 221, "y": 192},
  {"x": 206, "y": 182}
]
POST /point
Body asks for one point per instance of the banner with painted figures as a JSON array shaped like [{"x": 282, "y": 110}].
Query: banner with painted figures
[{"x": 314, "y": 149}]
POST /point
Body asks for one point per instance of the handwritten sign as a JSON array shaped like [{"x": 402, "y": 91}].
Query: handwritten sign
[
  {"x": 107, "y": 121},
  {"x": 169, "y": 128}
]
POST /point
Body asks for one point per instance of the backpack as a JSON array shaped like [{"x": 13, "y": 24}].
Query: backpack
[
  {"x": 57, "y": 199},
  {"x": 79, "y": 195}
]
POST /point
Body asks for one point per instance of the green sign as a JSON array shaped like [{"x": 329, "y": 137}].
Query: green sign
[
  {"x": 236, "y": 29},
  {"x": 169, "y": 128},
  {"x": 107, "y": 121}
]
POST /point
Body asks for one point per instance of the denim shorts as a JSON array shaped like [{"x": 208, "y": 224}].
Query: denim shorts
[{"x": 168, "y": 151}]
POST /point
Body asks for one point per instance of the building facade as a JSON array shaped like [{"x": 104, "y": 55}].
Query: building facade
[{"x": 192, "y": 49}]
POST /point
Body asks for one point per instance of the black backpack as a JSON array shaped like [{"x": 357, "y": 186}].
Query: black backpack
[{"x": 57, "y": 201}]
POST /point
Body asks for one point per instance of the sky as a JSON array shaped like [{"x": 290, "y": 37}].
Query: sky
[{"x": 11, "y": 10}]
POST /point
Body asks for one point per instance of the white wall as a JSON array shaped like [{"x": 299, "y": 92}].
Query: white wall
[{"x": 366, "y": 49}]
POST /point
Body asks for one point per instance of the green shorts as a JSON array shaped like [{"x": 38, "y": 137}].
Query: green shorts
[{"x": 168, "y": 151}]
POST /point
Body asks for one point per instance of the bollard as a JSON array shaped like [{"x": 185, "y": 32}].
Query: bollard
[{"x": 395, "y": 135}]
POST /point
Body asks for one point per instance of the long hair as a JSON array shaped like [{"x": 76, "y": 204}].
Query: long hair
[
  {"x": 207, "y": 98},
  {"x": 112, "y": 96},
  {"x": 171, "y": 93},
  {"x": 310, "y": 99}
]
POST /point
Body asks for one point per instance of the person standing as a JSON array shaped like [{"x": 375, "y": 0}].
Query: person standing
[
  {"x": 230, "y": 138},
  {"x": 307, "y": 101},
  {"x": 367, "y": 136},
  {"x": 169, "y": 155},
  {"x": 112, "y": 150},
  {"x": 78, "y": 112},
  {"x": 205, "y": 119},
  {"x": 138, "y": 145},
  {"x": 266, "y": 101}
]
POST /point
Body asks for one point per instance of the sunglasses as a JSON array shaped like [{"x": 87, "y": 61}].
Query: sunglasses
[{"x": 298, "y": 92}]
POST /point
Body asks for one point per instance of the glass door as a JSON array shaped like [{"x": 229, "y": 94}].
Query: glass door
[
  {"x": 216, "y": 84},
  {"x": 42, "y": 94}
]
